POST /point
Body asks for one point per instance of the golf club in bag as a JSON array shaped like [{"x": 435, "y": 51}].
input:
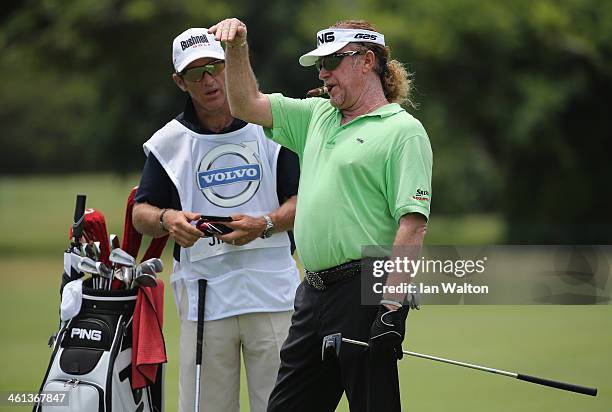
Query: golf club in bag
[{"x": 91, "y": 360}]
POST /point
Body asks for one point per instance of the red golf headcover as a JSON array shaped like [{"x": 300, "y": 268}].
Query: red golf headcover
[
  {"x": 94, "y": 230},
  {"x": 156, "y": 248},
  {"x": 131, "y": 239}
]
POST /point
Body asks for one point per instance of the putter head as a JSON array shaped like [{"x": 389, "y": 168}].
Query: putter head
[{"x": 331, "y": 346}]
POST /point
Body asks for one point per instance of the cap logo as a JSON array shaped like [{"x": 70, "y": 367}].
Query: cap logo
[
  {"x": 365, "y": 36},
  {"x": 193, "y": 40},
  {"x": 326, "y": 37}
]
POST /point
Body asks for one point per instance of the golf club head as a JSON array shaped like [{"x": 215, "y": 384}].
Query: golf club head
[
  {"x": 96, "y": 249},
  {"x": 127, "y": 276},
  {"x": 91, "y": 251},
  {"x": 121, "y": 257},
  {"x": 144, "y": 280},
  {"x": 118, "y": 273},
  {"x": 104, "y": 270},
  {"x": 114, "y": 241},
  {"x": 331, "y": 346},
  {"x": 158, "y": 265},
  {"x": 148, "y": 268},
  {"x": 88, "y": 265}
]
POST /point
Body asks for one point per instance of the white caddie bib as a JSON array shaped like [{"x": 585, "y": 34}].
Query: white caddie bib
[{"x": 221, "y": 175}]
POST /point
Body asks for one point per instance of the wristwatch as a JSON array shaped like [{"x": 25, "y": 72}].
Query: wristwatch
[
  {"x": 269, "y": 227},
  {"x": 161, "y": 220}
]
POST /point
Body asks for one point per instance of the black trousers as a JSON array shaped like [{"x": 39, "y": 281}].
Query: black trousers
[{"x": 305, "y": 383}]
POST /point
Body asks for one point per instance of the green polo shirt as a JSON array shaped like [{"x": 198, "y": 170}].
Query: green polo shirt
[{"x": 356, "y": 180}]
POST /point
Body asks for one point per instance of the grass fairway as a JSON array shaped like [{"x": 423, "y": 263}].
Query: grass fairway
[{"x": 569, "y": 343}]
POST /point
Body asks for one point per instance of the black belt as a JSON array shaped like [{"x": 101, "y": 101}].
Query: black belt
[{"x": 323, "y": 279}]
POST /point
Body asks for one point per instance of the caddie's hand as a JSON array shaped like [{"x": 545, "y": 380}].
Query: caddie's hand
[
  {"x": 231, "y": 31},
  {"x": 387, "y": 331},
  {"x": 177, "y": 223},
  {"x": 246, "y": 229}
]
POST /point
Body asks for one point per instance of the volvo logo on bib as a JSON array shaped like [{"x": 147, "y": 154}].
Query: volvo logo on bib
[{"x": 229, "y": 175}]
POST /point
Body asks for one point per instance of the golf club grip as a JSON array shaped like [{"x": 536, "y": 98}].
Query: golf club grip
[
  {"x": 201, "y": 305},
  {"x": 79, "y": 213},
  {"x": 559, "y": 385}
]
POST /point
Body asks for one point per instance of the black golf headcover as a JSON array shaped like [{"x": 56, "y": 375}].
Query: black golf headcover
[{"x": 388, "y": 329}]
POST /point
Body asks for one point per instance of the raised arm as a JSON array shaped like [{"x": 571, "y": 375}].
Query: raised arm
[{"x": 245, "y": 100}]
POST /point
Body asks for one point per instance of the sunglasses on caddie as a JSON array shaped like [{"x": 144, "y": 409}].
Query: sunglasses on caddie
[
  {"x": 332, "y": 61},
  {"x": 195, "y": 74}
]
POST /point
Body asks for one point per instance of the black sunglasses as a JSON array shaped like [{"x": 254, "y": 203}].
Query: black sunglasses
[
  {"x": 195, "y": 74},
  {"x": 332, "y": 61}
]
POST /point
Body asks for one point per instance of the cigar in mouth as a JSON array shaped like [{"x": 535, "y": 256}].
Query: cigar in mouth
[{"x": 319, "y": 91}]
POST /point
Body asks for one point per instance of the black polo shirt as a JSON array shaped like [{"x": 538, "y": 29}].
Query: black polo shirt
[{"x": 157, "y": 189}]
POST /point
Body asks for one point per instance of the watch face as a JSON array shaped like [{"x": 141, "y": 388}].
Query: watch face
[{"x": 269, "y": 226}]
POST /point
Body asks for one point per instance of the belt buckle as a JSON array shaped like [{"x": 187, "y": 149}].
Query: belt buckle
[{"x": 315, "y": 281}]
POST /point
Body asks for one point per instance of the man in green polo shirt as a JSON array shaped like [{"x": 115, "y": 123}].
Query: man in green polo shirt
[{"x": 366, "y": 180}]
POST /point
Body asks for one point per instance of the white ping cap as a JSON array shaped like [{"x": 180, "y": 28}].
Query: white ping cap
[{"x": 331, "y": 40}]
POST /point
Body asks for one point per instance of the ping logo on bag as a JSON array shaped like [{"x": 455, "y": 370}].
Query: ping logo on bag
[{"x": 89, "y": 334}]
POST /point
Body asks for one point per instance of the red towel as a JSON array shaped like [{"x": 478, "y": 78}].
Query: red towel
[{"x": 148, "y": 347}]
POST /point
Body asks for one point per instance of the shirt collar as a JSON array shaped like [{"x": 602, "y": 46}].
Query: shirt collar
[
  {"x": 189, "y": 119},
  {"x": 383, "y": 111}
]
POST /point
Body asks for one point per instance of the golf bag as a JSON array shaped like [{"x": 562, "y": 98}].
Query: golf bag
[{"x": 92, "y": 356}]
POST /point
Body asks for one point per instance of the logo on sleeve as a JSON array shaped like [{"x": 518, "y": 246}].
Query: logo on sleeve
[{"x": 422, "y": 195}]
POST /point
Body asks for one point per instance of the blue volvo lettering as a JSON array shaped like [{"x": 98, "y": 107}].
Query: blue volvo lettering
[{"x": 229, "y": 175}]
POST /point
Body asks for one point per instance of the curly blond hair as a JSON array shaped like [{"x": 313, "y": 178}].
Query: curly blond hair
[{"x": 395, "y": 79}]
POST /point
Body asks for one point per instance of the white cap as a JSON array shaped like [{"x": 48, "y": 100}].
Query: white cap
[
  {"x": 331, "y": 40},
  {"x": 193, "y": 44}
]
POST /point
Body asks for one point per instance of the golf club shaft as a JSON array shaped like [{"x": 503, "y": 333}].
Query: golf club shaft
[
  {"x": 199, "y": 339},
  {"x": 527, "y": 378},
  {"x": 197, "y": 383}
]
